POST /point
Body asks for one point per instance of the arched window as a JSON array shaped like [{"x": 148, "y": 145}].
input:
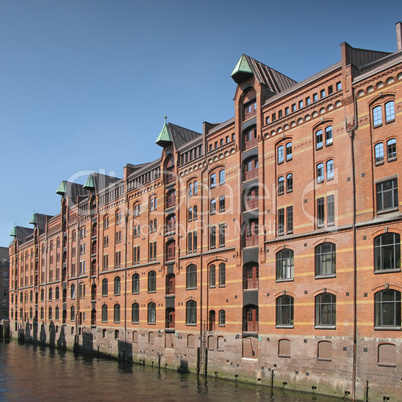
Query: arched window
[
  {"x": 330, "y": 169},
  {"x": 325, "y": 259},
  {"x": 377, "y": 116},
  {"x": 391, "y": 149},
  {"x": 389, "y": 111},
  {"x": 135, "y": 313},
  {"x": 116, "y": 315},
  {"x": 222, "y": 274},
  {"x": 117, "y": 285},
  {"x": 135, "y": 279},
  {"x": 104, "y": 313},
  {"x": 191, "y": 277},
  {"x": 72, "y": 290},
  {"x": 212, "y": 276},
  {"x": 289, "y": 183},
  {"x": 387, "y": 309},
  {"x": 56, "y": 315},
  {"x": 50, "y": 294},
  {"x": 387, "y": 252},
  {"x": 104, "y": 287},
  {"x": 284, "y": 264},
  {"x": 50, "y": 314},
  {"x": 72, "y": 313},
  {"x": 284, "y": 310},
  {"x": 151, "y": 313},
  {"x": 191, "y": 312},
  {"x": 151, "y": 281},
  {"x": 281, "y": 185},
  {"x": 222, "y": 318},
  {"x": 57, "y": 295},
  {"x": 379, "y": 153},
  {"x": 325, "y": 310}
]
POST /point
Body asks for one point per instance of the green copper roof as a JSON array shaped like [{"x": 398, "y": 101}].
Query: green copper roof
[
  {"x": 62, "y": 188},
  {"x": 164, "y": 139},
  {"x": 90, "y": 184},
  {"x": 242, "y": 68},
  {"x": 33, "y": 220},
  {"x": 13, "y": 232}
]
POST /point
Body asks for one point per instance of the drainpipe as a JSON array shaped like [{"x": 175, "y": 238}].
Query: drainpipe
[{"x": 351, "y": 133}]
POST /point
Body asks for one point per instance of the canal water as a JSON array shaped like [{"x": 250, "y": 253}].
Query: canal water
[{"x": 32, "y": 373}]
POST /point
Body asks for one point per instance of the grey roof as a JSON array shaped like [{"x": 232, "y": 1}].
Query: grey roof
[
  {"x": 22, "y": 233},
  {"x": 363, "y": 57},
  {"x": 181, "y": 135},
  {"x": 273, "y": 80},
  {"x": 41, "y": 222},
  {"x": 102, "y": 181},
  {"x": 4, "y": 257}
]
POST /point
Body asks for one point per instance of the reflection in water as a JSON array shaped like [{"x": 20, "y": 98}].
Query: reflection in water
[{"x": 37, "y": 373}]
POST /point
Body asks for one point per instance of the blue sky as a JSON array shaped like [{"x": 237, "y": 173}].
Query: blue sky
[{"x": 84, "y": 84}]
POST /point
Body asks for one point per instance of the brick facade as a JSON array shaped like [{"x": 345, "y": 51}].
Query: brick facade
[{"x": 265, "y": 248}]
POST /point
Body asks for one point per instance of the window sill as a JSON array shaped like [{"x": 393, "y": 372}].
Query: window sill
[
  {"x": 386, "y": 211},
  {"x": 151, "y": 323},
  {"x": 325, "y": 327},
  {"x": 284, "y": 326},
  {"x": 191, "y": 325},
  {"x": 191, "y": 288},
  {"x": 393, "y": 159},
  {"x": 328, "y": 144},
  {"x": 325, "y": 276},
  {"x": 386, "y": 364},
  {"x": 324, "y": 360},
  {"x": 387, "y": 328},
  {"x": 285, "y": 280},
  {"x": 379, "y": 163},
  {"x": 387, "y": 271},
  {"x": 285, "y": 356}
]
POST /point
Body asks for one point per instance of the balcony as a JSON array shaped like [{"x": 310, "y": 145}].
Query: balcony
[
  {"x": 250, "y": 204},
  {"x": 251, "y": 241},
  {"x": 250, "y": 326},
  {"x": 251, "y": 174},
  {"x": 171, "y": 199}
]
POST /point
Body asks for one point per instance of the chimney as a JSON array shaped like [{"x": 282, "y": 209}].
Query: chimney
[{"x": 399, "y": 35}]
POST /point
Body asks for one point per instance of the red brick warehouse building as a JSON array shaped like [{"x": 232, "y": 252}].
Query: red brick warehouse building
[{"x": 267, "y": 247}]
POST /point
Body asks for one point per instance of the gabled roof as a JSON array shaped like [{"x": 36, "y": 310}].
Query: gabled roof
[
  {"x": 177, "y": 135},
  {"x": 98, "y": 181},
  {"x": 272, "y": 79},
  {"x": 39, "y": 220},
  {"x": 21, "y": 233}
]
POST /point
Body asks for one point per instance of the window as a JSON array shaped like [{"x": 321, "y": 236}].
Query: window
[
  {"x": 135, "y": 313},
  {"x": 286, "y": 111},
  {"x": 151, "y": 313},
  {"x": 117, "y": 286},
  {"x": 281, "y": 221},
  {"x": 293, "y": 107},
  {"x": 116, "y": 313},
  {"x": 222, "y": 274},
  {"x": 322, "y": 93},
  {"x": 72, "y": 290},
  {"x": 289, "y": 152},
  {"x": 72, "y": 313},
  {"x": 315, "y": 97},
  {"x": 250, "y": 318},
  {"x": 191, "y": 277},
  {"x": 222, "y": 318},
  {"x": 379, "y": 153},
  {"x": 387, "y": 252},
  {"x": 289, "y": 219},
  {"x": 213, "y": 180},
  {"x": 104, "y": 287},
  {"x": 289, "y": 183},
  {"x": 389, "y": 111},
  {"x": 387, "y": 308},
  {"x": 320, "y": 172},
  {"x": 213, "y": 207},
  {"x": 50, "y": 292},
  {"x": 377, "y": 116},
  {"x": 328, "y": 136},
  {"x": 135, "y": 283},
  {"x": 191, "y": 312},
  {"x": 212, "y": 276},
  {"x": 152, "y": 251},
  {"x": 284, "y": 264},
  {"x": 222, "y": 177},
  {"x": 325, "y": 310},
  {"x": 106, "y": 222},
  {"x": 195, "y": 209},
  {"x": 325, "y": 259},
  {"x": 281, "y": 185},
  {"x": 300, "y": 104},
  {"x": 151, "y": 281},
  {"x": 280, "y": 154},
  {"x": 57, "y": 293},
  {"x": 212, "y": 237},
  {"x": 222, "y": 230},
  {"x": 318, "y": 139},
  {"x": 320, "y": 212},
  {"x": 391, "y": 149},
  {"x": 136, "y": 254},
  {"x": 338, "y": 86},
  {"x": 117, "y": 259},
  {"x": 222, "y": 204},
  {"x": 284, "y": 310},
  {"x": 308, "y": 101},
  {"x": 330, "y": 169},
  {"x": 387, "y": 195},
  {"x": 330, "y": 210},
  {"x": 190, "y": 214},
  {"x": 250, "y": 276}
]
